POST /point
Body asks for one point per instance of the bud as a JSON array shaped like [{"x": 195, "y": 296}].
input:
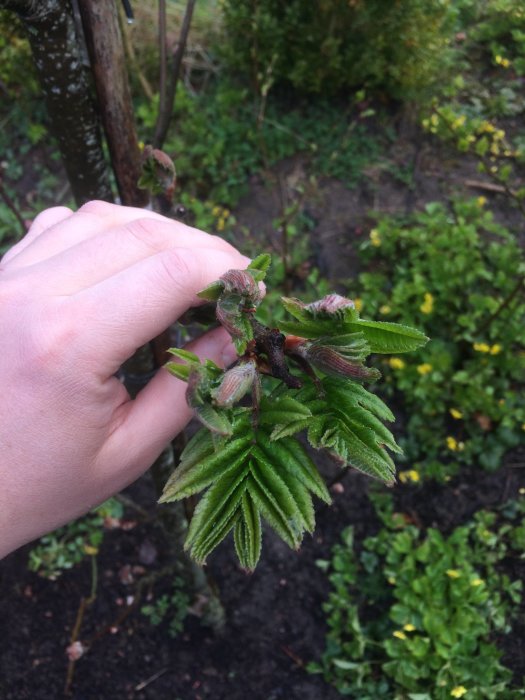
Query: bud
[
  {"x": 197, "y": 386},
  {"x": 241, "y": 282},
  {"x": 333, "y": 363},
  {"x": 235, "y": 383},
  {"x": 330, "y": 305}
]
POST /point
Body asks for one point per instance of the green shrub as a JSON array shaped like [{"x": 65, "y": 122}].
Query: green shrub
[
  {"x": 329, "y": 46},
  {"x": 458, "y": 276},
  {"x": 411, "y": 616}
]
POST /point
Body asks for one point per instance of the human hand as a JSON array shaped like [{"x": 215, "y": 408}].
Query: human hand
[{"x": 78, "y": 295}]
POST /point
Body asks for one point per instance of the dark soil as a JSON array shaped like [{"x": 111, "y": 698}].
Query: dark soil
[{"x": 274, "y": 619}]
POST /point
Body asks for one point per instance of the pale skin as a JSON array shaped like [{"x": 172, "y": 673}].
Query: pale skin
[{"x": 78, "y": 295}]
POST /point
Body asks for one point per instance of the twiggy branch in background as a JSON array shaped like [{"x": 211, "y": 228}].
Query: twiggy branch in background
[
  {"x": 168, "y": 88},
  {"x": 12, "y": 206}
]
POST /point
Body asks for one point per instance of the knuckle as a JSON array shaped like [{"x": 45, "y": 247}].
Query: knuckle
[
  {"x": 144, "y": 231},
  {"x": 50, "y": 340},
  {"x": 178, "y": 267},
  {"x": 97, "y": 207}
]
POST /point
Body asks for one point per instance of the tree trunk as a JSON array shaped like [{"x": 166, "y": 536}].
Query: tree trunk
[
  {"x": 64, "y": 80},
  {"x": 106, "y": 50}
]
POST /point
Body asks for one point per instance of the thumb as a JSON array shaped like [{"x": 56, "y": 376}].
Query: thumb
[{"x": 149, "y": 422}]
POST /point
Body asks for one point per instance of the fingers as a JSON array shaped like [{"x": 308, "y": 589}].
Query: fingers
[
  {"x": 103, "y": 255},
  {"x": 147, "y": 424},
  {"x": 44, "y": 221},
  {"x": 130, "y": 308},
  {"x": 93, "y": 220}
]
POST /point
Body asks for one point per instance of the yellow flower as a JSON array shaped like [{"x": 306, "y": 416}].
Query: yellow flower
[
  {"x": 458, "y": 692},
  {"x": 481, "y": 201},
  {"x": 409, "y": 627},
  {"x": 396, "y": 363},
  {"x": 488, "y": 127},
  {"x": 391, "y": 580},
  {"x": 408, "y": 475},
  {"x": 504, "y": 63},
  {"x": 428, "y": 305},
  {"x": 453, "y": 573},
  {"x": 495, "y": 349},
  {"x": 225, "y": 213},
  {"x": 385, "y": 309},
  {"x": 452, "y": 443},
  {"x": 459, "y": 121},
  {"x": 375, "y": 238},
  {"x": 399, "y": 634},
  {"x": 89, "y": 549},
  {"x": 455, "y": 413},
  {"x": 481, "y": 347},
  {"x": 358, "y": 304},
  {"x": 425, "y": 368},
  {"x": 216, "y": 211},
  {"x": 434, "y": 120},
  {"x": 476, "y": 582}
]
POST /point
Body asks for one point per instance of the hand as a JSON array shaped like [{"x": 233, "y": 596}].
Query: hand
[{"x": 78, "y": 295}]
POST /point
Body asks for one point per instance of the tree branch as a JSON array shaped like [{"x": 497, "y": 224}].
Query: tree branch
[{"x": 166, "y": 111}]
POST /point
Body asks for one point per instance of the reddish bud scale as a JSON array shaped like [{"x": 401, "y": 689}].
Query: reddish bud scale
[
  {"x": 236, "y": 382},
  {"x": 330, "y": 305},
  {"x": 332, "y": 363},
  {"x": 241, "y": 282}
]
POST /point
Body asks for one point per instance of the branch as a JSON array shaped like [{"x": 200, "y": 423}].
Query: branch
[
  {"x": 12, "y": 206},
  {"x": 167, "y": 104}
]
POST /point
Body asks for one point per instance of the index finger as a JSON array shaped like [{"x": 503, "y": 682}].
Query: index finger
[{"x": 130, "y": 308}]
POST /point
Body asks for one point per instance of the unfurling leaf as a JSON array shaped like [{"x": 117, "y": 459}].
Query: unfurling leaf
[{"x": 245, "y": 479}]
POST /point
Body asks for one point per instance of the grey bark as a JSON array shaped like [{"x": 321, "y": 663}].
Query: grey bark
[{"x": 72, "y": 112}]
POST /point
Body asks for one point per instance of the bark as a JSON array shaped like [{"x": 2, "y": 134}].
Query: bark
[
  {"x": 106, "y": 50},
  {"x": 64, "y": 80}
]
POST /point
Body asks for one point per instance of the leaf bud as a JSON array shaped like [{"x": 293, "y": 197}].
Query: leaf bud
[
  {"x": 330, "y": 305},
  {"x": 241, "y": 282},
  {"x": 235, "y": 383},
  {"x": 333, "y": 363}
]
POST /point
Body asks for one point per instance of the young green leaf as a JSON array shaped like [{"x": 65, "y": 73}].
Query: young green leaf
[
  {"x": 247, "y": 533},
  {"x": 387, "y": 337}
]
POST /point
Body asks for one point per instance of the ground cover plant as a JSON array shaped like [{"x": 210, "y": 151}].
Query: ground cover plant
[
  {"x": 458, "y": 276},
  {"x": 412, "y": 614},
  {"x": 396, "y": 181}
]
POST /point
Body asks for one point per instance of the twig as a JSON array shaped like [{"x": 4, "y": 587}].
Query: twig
[
  {"x": 132, "y": 60},
  {"x": 489, "y": 186},
  {"x": 504, "y": 304},
  {"x": 12, "y": 206},
  {"x": 165, "y": 113},
  {"x": 84, "y": 603},
  {"x": 163, "y": 68},
  {"x": 152, "y": 678}
]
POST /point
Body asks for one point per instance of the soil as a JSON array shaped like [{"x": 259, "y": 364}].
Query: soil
[{"x": 274, "y": 619}]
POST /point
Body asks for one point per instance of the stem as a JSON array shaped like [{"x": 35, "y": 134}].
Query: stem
[
  {"x": 104, "y": 41},
  {"x": 163, "y": 87},
  {"x": 504, "y": 304},
  {"x": 165, "y": 114},
  {"x": 84, "y": 603},
  {"x": 12, "y": 206}
]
